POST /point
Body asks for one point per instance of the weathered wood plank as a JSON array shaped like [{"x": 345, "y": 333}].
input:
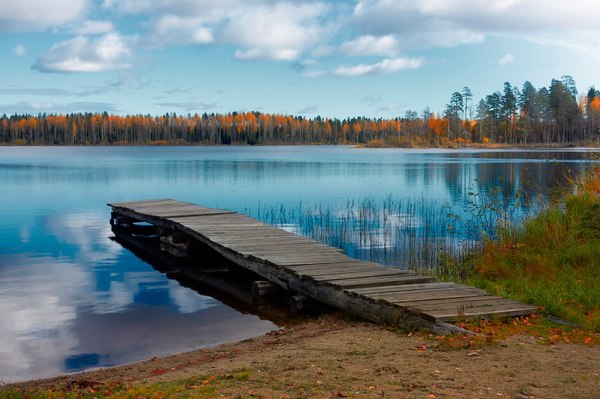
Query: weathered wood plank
[
  {"x": 425, "y": 296},
  {"x": 295, "y": 260},
  {"x": 133, "y": 204},
  {"x": 344, "y": 275},
  {"x": 283, "y": 245},
  {"x": 182, "y": 213},
  {"x": 481, "y": 302},
  {"x": 349, "y": 262},
  {"x": 376, "y": 281},
  {"x": 508, "y": 310},
  {"x": 400, "y": 288},
  {"x": 308, "y": 247},
  {"x": 347, "y": 269},
  {"x": 267, "y": 240}
]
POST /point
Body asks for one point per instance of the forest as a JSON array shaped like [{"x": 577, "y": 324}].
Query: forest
[{"x": 556, "y": 114}]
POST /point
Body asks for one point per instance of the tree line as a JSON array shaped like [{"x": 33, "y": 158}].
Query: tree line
[{"x": 553, "y": 115}]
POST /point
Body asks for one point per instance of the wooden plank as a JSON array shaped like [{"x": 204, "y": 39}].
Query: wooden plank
[
  {"x": 399, "y": 292},
  {"x": 400, "y": 288},
  {"x": 347, "y": 269},
  {"x": 324, "y": 267},
  {"x": 266, "y": 254},
  {"x": 229, "y": 238},
  {"x": 186, "y": 212},
  {"x": 268, "y": 240},
  {"x": 285, "y": 258},
  {"x": 193, "y": 222},
  {"x": 508, "y": 310},
  {"x": 482, "y": 302},
  {"x": 376, "y": 281},
  {"x": 299, "y": 257},
  {"x": 219, "y": 219},
  {"x": 261, "y": 240},
  {"x": 344, "y": 275},
  {"x": 244, "y": 227},
  {"x": 413, "y": 296},
  {"x": 284, "y": 244},
  {"x": 358, "y": 268},
  {"x": 348, "y": 261},
  {"x": 130, "y": 204},
  {"x": 308, "y": 248},
  {"x": 154, "y": 209},
  {"x": 283, "y": 250},
  {"x": 284, "y": 262}
]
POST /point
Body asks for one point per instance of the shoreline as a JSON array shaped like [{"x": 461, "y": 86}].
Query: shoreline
[
  {"x": 471, "y": 146},
  {"x": 332, "y": 356}
]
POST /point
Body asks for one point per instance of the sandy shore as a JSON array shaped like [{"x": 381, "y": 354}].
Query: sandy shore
[{"x": 335, "y": 357}]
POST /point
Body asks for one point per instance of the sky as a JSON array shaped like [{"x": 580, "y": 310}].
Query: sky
[{"x": 336, "y": 59}]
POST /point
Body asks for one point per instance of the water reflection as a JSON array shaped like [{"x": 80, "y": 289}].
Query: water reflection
[
  {"x": 81, "y": 300},
  {"x": 71, "y": 298}
]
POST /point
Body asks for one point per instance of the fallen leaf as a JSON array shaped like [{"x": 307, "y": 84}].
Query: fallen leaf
[{"x": 477, "y": 352}]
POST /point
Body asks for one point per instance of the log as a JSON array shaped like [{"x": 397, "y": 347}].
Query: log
[
  {"x": 301, "y": 303},
  {"x": 262, "y": 288}
]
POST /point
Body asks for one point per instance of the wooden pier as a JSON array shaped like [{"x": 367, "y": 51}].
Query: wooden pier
[{"x": 315, "y": 270}]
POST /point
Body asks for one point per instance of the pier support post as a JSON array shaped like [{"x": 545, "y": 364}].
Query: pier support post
[
  {"x": 301, "y": 303},
  {"x": 262, "y": 288}
]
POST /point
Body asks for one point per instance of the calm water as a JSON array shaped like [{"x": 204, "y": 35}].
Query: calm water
[{"x": 71, "y": 299}]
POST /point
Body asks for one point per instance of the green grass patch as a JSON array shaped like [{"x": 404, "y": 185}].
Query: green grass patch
[
  {"x": 196, "y": 387},
  {"x": 551, "y": 260}
]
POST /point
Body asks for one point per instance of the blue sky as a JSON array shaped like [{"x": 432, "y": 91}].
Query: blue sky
[{"x": 374, "y": 58}]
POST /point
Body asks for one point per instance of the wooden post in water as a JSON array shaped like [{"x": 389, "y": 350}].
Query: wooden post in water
[{"x": 262, "y": 288}]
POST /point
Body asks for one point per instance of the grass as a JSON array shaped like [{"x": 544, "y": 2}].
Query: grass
[
  {"x": 195, "y": 387},
  {"x": 552, "y": 259}
]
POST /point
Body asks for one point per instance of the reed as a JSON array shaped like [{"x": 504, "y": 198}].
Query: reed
[
  {"x": 551, "y": 259},
  {"x": 410, "y": 233}
]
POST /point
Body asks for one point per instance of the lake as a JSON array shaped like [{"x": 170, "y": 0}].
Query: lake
[{"x": 73, "y": 299}]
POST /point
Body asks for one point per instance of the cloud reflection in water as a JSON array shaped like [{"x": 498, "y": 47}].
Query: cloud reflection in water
[{"x": 87, "y": 302}]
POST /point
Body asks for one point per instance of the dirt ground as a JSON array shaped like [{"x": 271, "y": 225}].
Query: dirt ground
[{"x": 332, "y": 357}]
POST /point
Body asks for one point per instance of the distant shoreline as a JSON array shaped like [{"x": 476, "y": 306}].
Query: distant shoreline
[{"x": 590, "y": 145}]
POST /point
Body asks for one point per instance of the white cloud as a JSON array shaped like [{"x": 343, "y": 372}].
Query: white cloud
[
  {"x": 208, "y": 8},
  {"x": 202, "y": 35},
  {"x": 506, "y": 59},
  {"x": 91, "y": 27},
  {"x": 370, "y": 45},
  {"x": 384, "y": 67},
  {"x": 447, "y": 23},
  {"x": 36, "y": 15},
  {"x": 282, "y": 31},
  {"x": 179, "y": 30},
  {"x": 35, "y": 107},
  {"x": 257, "y": 29},
  {"x": 19, "y": 50},
  {"x": 82, "y": 54}
]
